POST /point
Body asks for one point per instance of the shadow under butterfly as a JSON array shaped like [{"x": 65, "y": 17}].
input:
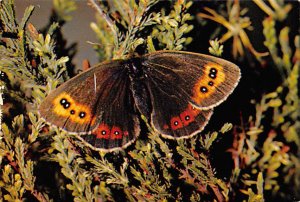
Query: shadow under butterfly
[{"x": 175, "y": 90}]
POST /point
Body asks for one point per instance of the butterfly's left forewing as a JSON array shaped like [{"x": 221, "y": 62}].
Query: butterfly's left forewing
[{"x": 97, "y": 106}]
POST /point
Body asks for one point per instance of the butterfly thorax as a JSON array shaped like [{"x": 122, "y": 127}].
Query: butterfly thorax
[{"x": 135, "y": 69}]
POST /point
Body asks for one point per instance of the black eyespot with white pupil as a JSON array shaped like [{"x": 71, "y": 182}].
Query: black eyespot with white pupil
[
  {"x": 64, "y": 102},
  {"x": 82, "y": 114},
  {"x": 103, "y": 132},
  {"x": 117, "y": 132},
  {"x": 72, "y": 111},
  {"x": 175, "y": 123},
  {"x": 213, "y": 70},
  {"x": 213, "y": 76},
  {"x": 210, "y": 83},
  {"x": 187, "y": 118},
  {"x": 203, "y": 89},
  {"x": 213, "y": 73}
]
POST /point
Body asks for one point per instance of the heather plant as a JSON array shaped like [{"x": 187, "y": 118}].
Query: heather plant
[{"x": 250, "y": 151}]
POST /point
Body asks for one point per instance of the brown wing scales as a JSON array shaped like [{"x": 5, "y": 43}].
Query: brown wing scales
[
  {"x": 184, "y": 89},
  {"x": 97, "y": 106}
]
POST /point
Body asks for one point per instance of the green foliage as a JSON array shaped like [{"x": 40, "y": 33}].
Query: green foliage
[
  {"x": 131, "y": 19},
  {"x": 171, "y": 28},
  {"x": 64, "y": 8},
  {"x": 283, "y": 63},
  {"x": 215, "y": 47},
  {"x": 264, "y": 147}
]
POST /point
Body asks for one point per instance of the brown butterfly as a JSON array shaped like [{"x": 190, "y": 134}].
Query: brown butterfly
[{"x": 176, "y": 91}]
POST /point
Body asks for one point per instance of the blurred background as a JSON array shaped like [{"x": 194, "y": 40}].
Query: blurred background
[{"x": 77, "y": 30}]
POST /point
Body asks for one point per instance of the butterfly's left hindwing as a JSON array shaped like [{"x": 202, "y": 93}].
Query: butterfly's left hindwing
[
  {"x": 174, "y": 117},
  {"x": 97, "y": 105}
]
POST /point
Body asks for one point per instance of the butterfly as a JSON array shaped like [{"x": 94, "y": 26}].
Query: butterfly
[{"x": 175, "y": 90}]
